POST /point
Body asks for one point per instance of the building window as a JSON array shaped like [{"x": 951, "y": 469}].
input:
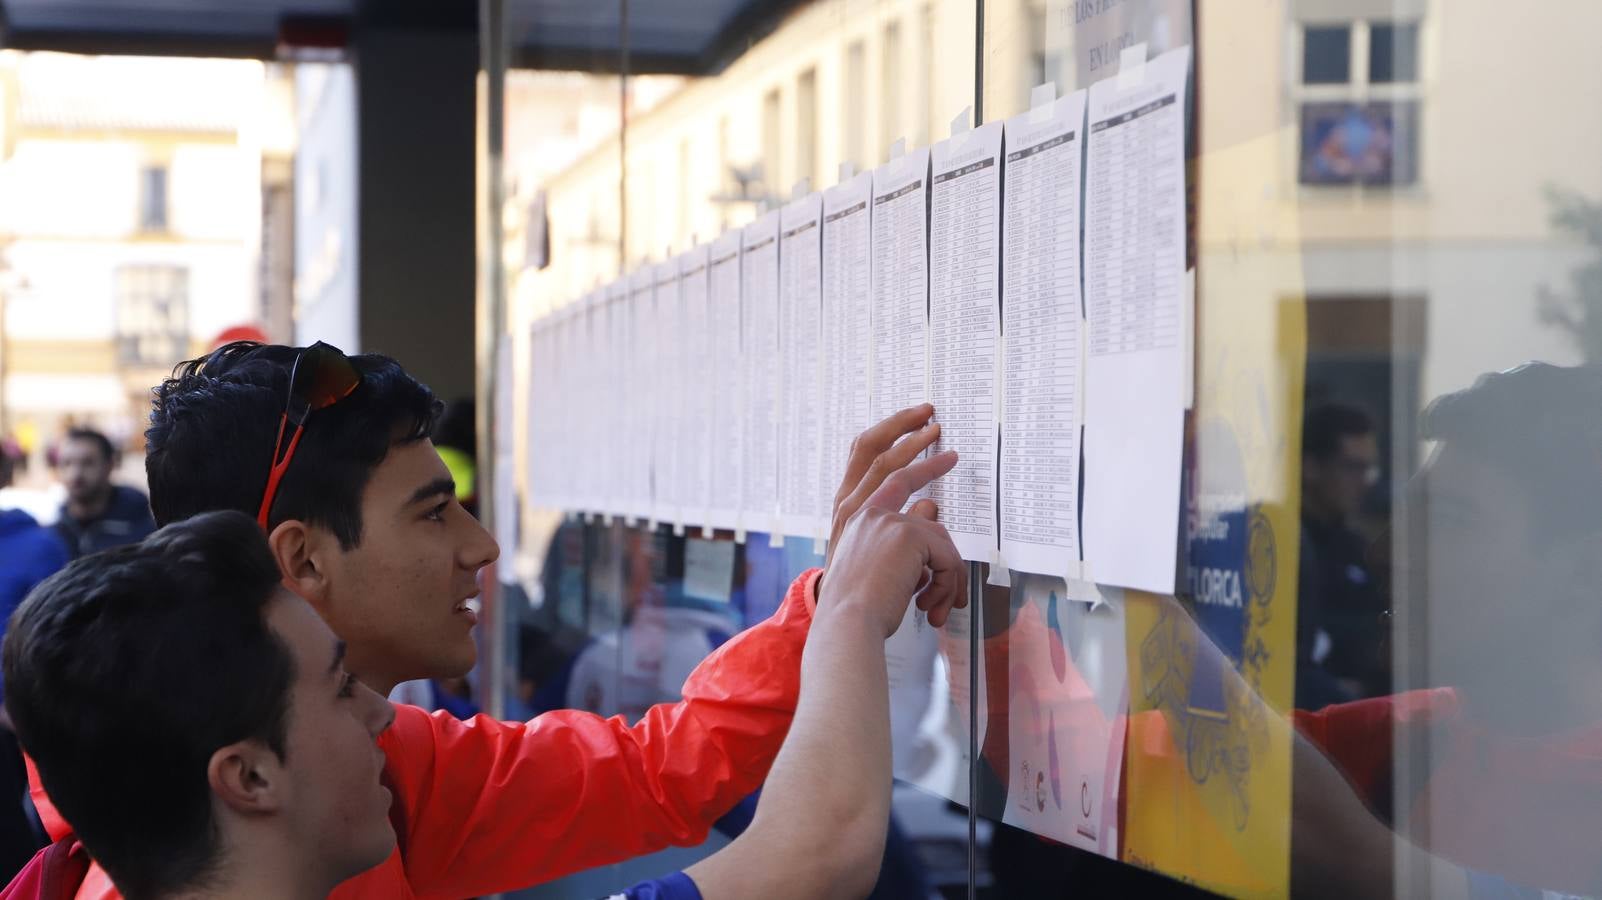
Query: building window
[
  {"x": 1393, "y": 53},
  {"x": 772, "y": 143},
  {"x": 853, "y": 129},
  {"x": 1358, "y": 100},
  {"x": 152, "y": 315},
  {"x": 806, "y": 126},
  {"x": 153, "y": 198},
  {"x": 890, "y": 80}
]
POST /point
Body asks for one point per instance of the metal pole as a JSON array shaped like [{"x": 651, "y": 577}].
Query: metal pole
[
  {"x": 975, "y": 589},
  {"x": 491, "y": 323},
  {"x": 975, "y": 623}
]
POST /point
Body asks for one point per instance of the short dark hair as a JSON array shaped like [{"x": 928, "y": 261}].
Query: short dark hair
[
  {"x": 128, "y": 669},
  {"x": 10, "y": 460},
  {"x": 1325, "y": 426},
  {"x": 1542, "y": 425},
  {"x": 101, "y": 442},
  {"x": 214, "y": 422}
]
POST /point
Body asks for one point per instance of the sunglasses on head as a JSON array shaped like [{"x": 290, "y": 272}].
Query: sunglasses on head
[{"x": 321, "y": 377}]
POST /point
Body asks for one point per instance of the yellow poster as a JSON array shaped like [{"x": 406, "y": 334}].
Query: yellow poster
[{"x": 1208, "y": 784}]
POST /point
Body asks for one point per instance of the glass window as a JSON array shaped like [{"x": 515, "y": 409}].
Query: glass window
[
  {"x": 1392, "y": 52},
  {"x": 853, "y": 109},
  {"x": 806, "y": 127},
  {"x": 892, "y": 79},
  {"x": 153, "y": 198},
  {"x": 1326, "y": 54},
  {"x": 772, "y": 146},
  {"x": 152, "y": 315},
  {"x": 1374, "y": 675}
]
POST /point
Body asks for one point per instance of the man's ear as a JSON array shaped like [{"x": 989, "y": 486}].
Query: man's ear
[
  {"x": 302, "y": 552},
  {"x": 248, "y": 778}
]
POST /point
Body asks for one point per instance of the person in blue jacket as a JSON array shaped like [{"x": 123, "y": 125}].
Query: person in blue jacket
[{"x": 29, "y": 553}]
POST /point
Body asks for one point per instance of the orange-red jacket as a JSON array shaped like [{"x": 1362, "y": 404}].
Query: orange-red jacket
[{"x": 485, "y": 806}]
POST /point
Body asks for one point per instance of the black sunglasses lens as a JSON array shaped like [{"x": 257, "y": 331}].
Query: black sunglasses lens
[{"x": 323, "y": 376}]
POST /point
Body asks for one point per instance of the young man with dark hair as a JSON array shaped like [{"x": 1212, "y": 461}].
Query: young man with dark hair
[
  {"x": 195, "y": 722},
  {"x": 241, "y": 759},
  {"x": 1340, "y": 615},
  {"x": 97, "y": 514},
  {"x": 1499, "y": 768},
  {"x": 331, "y": 454}
]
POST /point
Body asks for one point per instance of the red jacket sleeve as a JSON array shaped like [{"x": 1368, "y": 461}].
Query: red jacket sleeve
[
  {"x": 1359, "y": 736},
  {"x": 493, "y": 806}
]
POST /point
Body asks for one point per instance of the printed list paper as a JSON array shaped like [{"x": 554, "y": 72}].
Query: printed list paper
[
  {"x": 964, "y": 330},
  {"x": 727, "y": 380},
  {"x": 1134, "y": 295},
  {"x": 759, "y": 304},
  {"x": 1042, "y": 327},
  {"x": 847, "y": 320},
  {"x": 802, "y": 500}
]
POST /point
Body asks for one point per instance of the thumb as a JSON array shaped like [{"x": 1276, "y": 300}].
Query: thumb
[{"x": 925, "y": 509}]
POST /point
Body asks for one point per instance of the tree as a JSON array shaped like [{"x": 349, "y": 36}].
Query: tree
[{"x": 1577, "y": 311}]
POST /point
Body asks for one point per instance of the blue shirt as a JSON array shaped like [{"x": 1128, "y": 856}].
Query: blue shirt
[
  {"x": 677, "y": 886},
  {"x": 127, "y": 520},
  {"x": 29, "y": 553}
]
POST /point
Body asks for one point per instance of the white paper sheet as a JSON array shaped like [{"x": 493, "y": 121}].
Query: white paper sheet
[
  {"x": 534, "y": 422},
  {"x": 847, "y": 320},
  {"x": 965, "y": 329},
  {"x": 1134, "y": 291},
  {"x": 589, "y": 423},
  {"x": 956, "y": 664},
  {"x": 619, "y": 461},
  {"x": 801, "y": 497},
  {"x": 1068, "y": 701},
  {"x": 727, "y": 383},
  {"x": 695, "y": 422},
  {"x": 641, "y": 430},
  {"x": 900, "y": 284},
  {"x": 669, "y": 393},
  {"x": 1042, "y": 324},
  {"x": 546, "y": 446},
  {"x": 573, "y": 401},
  {"x": 708, "y": 569},
  {"x": 759, "y": 305},
  {"x": 911, "y": 656}
]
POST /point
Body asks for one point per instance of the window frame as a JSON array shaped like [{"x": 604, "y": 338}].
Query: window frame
[{"x": 1356, "y": 90}]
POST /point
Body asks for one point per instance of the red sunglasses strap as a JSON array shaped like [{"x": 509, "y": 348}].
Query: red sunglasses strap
[{"x": 276, "y": 474}]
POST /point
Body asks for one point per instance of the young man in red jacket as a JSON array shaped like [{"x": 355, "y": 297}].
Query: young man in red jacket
[
  {"x": 331, "y": 455},
  {"x": 262, "y": 778}
]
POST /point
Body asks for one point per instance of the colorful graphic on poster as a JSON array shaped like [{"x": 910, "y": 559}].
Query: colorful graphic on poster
[{"x": 1067, "y": 703}]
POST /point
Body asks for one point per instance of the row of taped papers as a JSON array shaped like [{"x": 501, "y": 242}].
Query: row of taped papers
[
  {"x": 726, "y": 381},
  {"x": 759, "y": 306},
  {"x": 894, "y": 353},
  {"x": 847, "y": 320},
  {"x": 964, "y": 330},
  {"x": 1043, "y": 323},
  {"x": 695, "y": 420},
  {"x": 801, "y": 495},
  {"x": 900, "y": 264},
  {"x": 1134, "y": 299},
  {"x": 1067, "y": 703},
  {"x": 668, "y": 399}
]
